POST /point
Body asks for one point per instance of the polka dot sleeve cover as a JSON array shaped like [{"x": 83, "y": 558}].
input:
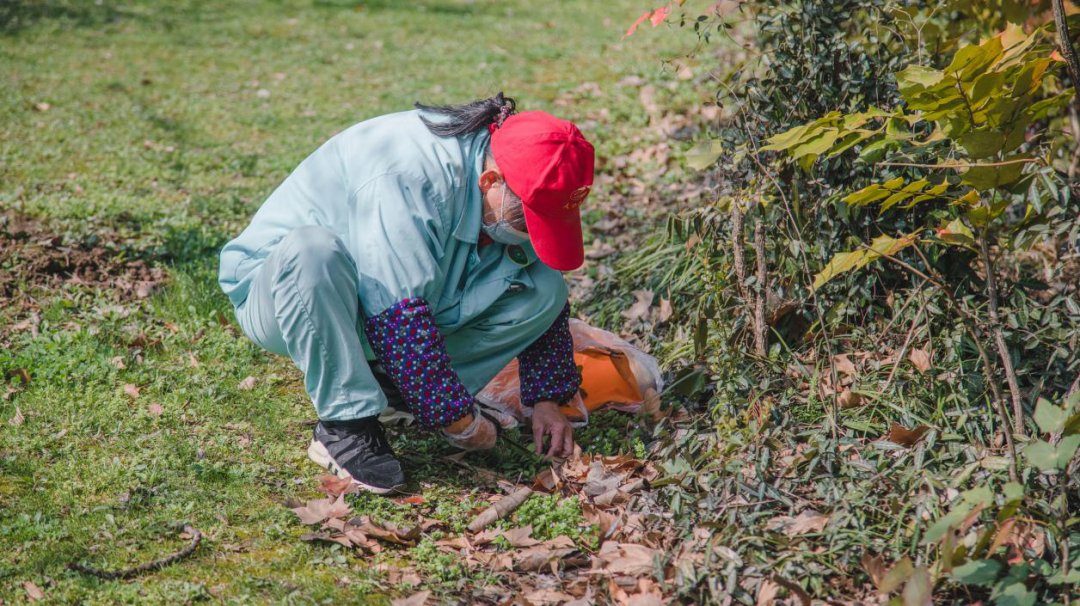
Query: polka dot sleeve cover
[
  {"x": 411, "y": 349},
  {"x": 547, "y": 367}
]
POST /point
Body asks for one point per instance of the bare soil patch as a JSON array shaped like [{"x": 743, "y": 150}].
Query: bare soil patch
[{"x": 38, "y": 265}]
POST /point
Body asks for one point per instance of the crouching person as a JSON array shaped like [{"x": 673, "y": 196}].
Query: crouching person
[{"x": 408, "y": 260}]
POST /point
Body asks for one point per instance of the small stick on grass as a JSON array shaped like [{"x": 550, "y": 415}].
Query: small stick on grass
[
  {"x": 500, "y": 509},
  {"x": 127, "y": 573}
]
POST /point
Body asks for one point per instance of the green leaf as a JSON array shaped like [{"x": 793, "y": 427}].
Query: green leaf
[
  {"x": 982, "y": 143},
  {"x": 1016, "y": 594},
  {"x": 840, "y": 263},
  {"x": 977, "y": 572},
  {"x": 1042, "y": 455},
  {"x": 1043, "y": 109},
  {"x": 704, "y": 155},
  {"x": 1049, "y": 418},
  {"x": 915, "y": 78},
  {"x": 1067, "y": 449},
  {"x": 956, "y": 233},
  {"x": 988, "y": 176}
]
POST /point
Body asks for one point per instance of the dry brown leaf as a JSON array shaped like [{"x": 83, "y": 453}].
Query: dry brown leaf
[
  {"x": 33, "y": 591},
  {"x": 385, "y": 531},
  {"x": 848, "y": 399},
  {"x": 639, "y": 311},
  {"x": 118, "y": 362},
  {"x": 417, "y": 599},
  {"x": 626, "y": 559},
  {"x": 155, "y": 409},
  {"x": 665, "y": 310},
  {"x": 318, "y": 510},
  {"x": 520, "y": 537},
  {"x": 766, "y": 592},
  {"x": 898, "y": 434},
  {"x": 547, "y": 596},
  {"x": 806, "y": 522},
  {"x": 874, "y": 565},
  {"x": 18, "y": 419},
  {"x": 334, "y": 486},
  {"x": 844, "y": 365},
  {"x": 131, "y": 390},
  {"x": 247, "y": 384},
  {"x": 920, "y": 359}
]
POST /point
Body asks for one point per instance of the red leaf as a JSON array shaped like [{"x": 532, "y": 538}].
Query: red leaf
[
  {"x": 640, "y": 20},
  {"x": 659, "y": 15}
]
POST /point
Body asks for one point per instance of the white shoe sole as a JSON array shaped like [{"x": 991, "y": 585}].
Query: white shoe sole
[{"x": 318, "y": 453}]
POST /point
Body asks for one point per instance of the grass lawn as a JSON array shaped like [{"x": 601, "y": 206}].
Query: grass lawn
[{"x": 154, "y": 130}]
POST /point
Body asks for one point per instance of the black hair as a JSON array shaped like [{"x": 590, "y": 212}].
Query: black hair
[{"x": 468, "y": 117}]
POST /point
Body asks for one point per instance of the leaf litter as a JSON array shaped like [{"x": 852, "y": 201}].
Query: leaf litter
[{"x": 629, "y": 564}]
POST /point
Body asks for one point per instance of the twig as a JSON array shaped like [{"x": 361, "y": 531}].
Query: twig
[
  {"x": 127, "y": 573},
  {"x": 958, "y": 165},
  {"x": 500, "y": 509},
  {"x": 999, "y": 336}
]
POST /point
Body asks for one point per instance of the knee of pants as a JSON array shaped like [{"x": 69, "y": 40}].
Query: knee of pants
[{"x": 314, "y": 253}]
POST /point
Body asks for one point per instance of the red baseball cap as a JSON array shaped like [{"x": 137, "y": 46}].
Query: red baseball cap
[{"x": 548, "y": 163}]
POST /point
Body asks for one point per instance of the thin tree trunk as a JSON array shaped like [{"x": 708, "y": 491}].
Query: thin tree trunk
[
  {"x": 1065, "y": 43},
  {"x": 999, "y": 336},
  {"x": 737, "y": 251},
  {"x": 760, "y": 328}
]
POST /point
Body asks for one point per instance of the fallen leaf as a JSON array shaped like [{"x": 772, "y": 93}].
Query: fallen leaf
[
  {"x": 626, "y": 559},
  {"x": 848, "y": 399},
  {"x": 766, "y": 593},
  {"x": 18, "y": 419},
  {"x": 42, "y": 107},
  {"x": 547, "y": 596},
  {"x": 247, "y": 384},
  {"x": 898, "y": 434},
  {"x": 417, "y": 599},
  {"x": 385, "y": 531},
  {"x": 131, "y": 390},
  {"x": 21, "y": 373},
  {"x": 192, "y": 360},
  {"x": 920, "y": 359},
  {"x": 334, "y": 486},
  {"x": 318, "y": 510},
  {"x": 155, "y": 409},
  {"x": 639, "y": 311},
  {"x": 520, "y": 537},
  {"x": 874, "y": 565},
  {"x": 844, "y": 365},
  {"x": 33, "y": 591},
  {"x": 806, "y": 522},
  {"x": 118, "y": 362},
  {"x": 665, "y": 310},
  {"x": 411, "y": 500}
]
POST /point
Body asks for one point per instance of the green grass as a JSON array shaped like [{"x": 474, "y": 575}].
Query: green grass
[{"x": 167, "y": 124}]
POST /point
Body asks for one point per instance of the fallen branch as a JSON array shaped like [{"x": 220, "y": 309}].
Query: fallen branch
[
  {"x": 127, "y": 573},
  {"x": 500, "y": 509}
]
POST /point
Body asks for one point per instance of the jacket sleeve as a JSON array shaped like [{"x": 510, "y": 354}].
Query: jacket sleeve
[
  {"x": 396, "y": 231},
  {"x": 411, "y": 349},
  {"x": 547, "y": 367}
]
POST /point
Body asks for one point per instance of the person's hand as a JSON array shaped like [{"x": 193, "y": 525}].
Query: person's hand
[
  {"x": 473, "y": 432},
  {"x": 548, "y": 420}
]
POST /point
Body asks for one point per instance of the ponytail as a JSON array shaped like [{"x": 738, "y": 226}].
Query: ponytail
[{"x": 468, "y": 117}]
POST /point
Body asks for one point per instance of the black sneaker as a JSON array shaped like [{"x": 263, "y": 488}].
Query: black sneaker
[{"x": 357, "y": 450}]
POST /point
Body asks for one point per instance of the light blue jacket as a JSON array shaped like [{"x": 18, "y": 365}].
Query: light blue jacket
[{"x": 407, "y": 205}]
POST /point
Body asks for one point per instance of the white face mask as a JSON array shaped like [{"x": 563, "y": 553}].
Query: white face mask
[{"x": 502, "y": 231}]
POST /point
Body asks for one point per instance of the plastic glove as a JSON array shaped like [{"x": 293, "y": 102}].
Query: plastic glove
[{"x": 479, "y": 435}]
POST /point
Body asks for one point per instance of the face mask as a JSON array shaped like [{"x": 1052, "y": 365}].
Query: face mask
[{"x": 502, "y": 231}]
